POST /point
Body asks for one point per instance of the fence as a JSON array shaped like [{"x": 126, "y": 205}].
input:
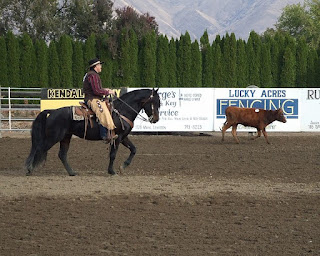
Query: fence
[{"x": 18, "y": 108}]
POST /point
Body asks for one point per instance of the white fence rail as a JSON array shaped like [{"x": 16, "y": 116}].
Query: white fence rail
[{"x": 17, "y": 107}]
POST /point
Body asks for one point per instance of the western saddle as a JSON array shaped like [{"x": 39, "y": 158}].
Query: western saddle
[{"x": 86, "y": 112}]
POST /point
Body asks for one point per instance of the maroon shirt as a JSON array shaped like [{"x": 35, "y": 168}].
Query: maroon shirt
[{"x": 92, "y": 88}]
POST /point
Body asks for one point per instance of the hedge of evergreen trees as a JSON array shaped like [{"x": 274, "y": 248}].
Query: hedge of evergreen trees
[{"x": 152, "y": 60}]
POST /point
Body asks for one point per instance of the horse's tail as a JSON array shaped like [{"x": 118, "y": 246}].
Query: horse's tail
[{"x": 38, "y": 136}]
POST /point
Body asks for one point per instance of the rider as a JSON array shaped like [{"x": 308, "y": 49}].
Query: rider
[{"x": 94, "y": 93}]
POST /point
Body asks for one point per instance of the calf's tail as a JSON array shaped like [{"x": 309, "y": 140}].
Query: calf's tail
[{"x": 38, "y": 152}]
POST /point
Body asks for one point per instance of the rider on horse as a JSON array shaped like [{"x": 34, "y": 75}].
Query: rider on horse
[{"x": 94, "y": 93}]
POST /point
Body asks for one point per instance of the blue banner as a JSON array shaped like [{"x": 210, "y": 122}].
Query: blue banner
[{"x": 289, "y": 106}]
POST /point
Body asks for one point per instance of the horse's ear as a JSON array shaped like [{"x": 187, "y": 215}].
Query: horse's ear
[{"x": 157, "y": 90}]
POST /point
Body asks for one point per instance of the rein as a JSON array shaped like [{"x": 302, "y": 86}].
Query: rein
[{"x": 140, "y": 116}]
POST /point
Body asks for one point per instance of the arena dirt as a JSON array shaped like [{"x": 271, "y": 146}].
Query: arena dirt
[{"x": 182, "y": 195}]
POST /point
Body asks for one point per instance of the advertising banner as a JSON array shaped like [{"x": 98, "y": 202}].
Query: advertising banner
[
  {"x": 310, "y": 109},
  {"x": 268, "y": 99},
  {"x": 58, "y": 98},
  {"x": 182, "y": 109},
  {"x": 203, "y": 109}
]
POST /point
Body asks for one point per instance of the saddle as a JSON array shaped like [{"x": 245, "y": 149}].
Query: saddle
[{"x": 84, "y": 112}]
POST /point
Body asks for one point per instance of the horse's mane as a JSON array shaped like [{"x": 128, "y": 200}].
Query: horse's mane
[
  {"x": 134, "y": 93},
  {"x": 130, "y": 97}
]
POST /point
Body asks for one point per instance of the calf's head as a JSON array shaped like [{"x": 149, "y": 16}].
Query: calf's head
[{"x": 280, "y": 116}]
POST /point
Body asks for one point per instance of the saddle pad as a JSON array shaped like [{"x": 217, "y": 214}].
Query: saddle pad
[{"x": 77, "y": 116}]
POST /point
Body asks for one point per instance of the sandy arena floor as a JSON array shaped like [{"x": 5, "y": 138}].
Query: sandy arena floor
[{"x": 182, "y": 195}]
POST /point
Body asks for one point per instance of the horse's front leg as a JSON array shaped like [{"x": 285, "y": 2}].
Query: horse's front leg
[
  {"x": 64, "y": 147},
  {"x": 113, "y": 152},
  {"x": 128, "y": 144}
]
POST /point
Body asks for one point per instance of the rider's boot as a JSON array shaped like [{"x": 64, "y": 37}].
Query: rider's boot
[{"x": 104, "y": 134}]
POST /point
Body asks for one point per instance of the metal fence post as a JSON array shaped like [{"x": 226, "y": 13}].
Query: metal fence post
[
  {"x": 0, "y": 113},
  {"x": 9, "y": 102}
]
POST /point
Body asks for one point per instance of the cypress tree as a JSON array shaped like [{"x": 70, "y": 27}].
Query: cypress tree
[
  {"x": 65, "y": 49},
  {"x": 90, "y": 48},
  {"x": 26, "y": 63},
  {"x": 162, "y": 57},
  {"x": 172, "y": 64},
  {"x": 217, "y": 65},
  {"x": 3, "y": 63},
  {"x": 77, "y": 65},
  {"x": 242, "y": 67},
  {"x": 53, "y": 66},
  {"x": 106, "y": 74},
  {"x": 312, "y": 68},
  {"x": 207, "y": 60},
  {"x": 184, "y": 61},
  {"x": 125, "y": 73},
  {"x": 291, "y": 43},
  {"x": 288, "y": 69},
  {"x": 33, "y": 71},
  {"x": 217, "y": 41},
  {"x": 42, "y": 63},
  {"x": 266, "y": 75},
  {"x": 275, "y": 63},
  {"x": 302, "y": 57},
  {"x": 148, "y": 68},
  {"x": 253, "y": 53},
  {"x": 196, "y": 65},
  {"x": 230, "y": 63},
  {"x": 134, "y": 52},
  {"x": 280, "y": 40},
  {"x": 13, "y": 60},
  {"x": 317, "y": 68},
  {"x": 116, "y": 75},
  {"x": 128, "y": 59}
]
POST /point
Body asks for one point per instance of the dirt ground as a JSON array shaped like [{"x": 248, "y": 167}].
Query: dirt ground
[{"x": 182, "y": 195}]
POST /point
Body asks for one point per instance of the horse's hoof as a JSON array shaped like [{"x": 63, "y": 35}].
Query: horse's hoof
[
  {"x": 112, "y": 172},
  {"x": 28, "y": 173},
  {"x": 73, "y": 174}
]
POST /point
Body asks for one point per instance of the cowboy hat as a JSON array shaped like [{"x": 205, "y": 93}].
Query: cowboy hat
[{"x": 94, "y": 62}]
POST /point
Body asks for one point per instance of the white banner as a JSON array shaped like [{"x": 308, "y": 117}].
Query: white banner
[
  {"x": 182, "y": 109},
  {"x": 310, "y": 109},
  {"x": 269, "y": 99}
]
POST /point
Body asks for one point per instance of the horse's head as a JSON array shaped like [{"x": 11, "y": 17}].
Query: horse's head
[{"x": 151, "y": 106}]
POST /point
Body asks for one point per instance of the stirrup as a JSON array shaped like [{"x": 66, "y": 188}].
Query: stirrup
[{"x": 106, "y": 140}]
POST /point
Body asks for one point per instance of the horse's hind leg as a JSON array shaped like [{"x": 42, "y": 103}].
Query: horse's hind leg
[
  {"x": 64, "y": 147},
  {"x": 128, "y": 144}
]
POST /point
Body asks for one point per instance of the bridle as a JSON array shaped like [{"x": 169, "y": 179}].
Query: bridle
[
  {"x": 152, "y": 106},
  {"x": 150, "y": 98}
]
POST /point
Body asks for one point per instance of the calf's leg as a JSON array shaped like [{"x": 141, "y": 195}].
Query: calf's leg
[
  {"x": 225, "y": 127},
  {"x": 258, "y": 135},
  {"x": 234, "y": 133},
  {"x": 265, "y": 135}
]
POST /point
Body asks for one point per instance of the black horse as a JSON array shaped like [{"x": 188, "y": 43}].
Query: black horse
[{"x": 53, "y": 126}]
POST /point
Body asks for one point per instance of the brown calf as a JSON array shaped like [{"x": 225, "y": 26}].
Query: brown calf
[{"x": 258, "y": 118}]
